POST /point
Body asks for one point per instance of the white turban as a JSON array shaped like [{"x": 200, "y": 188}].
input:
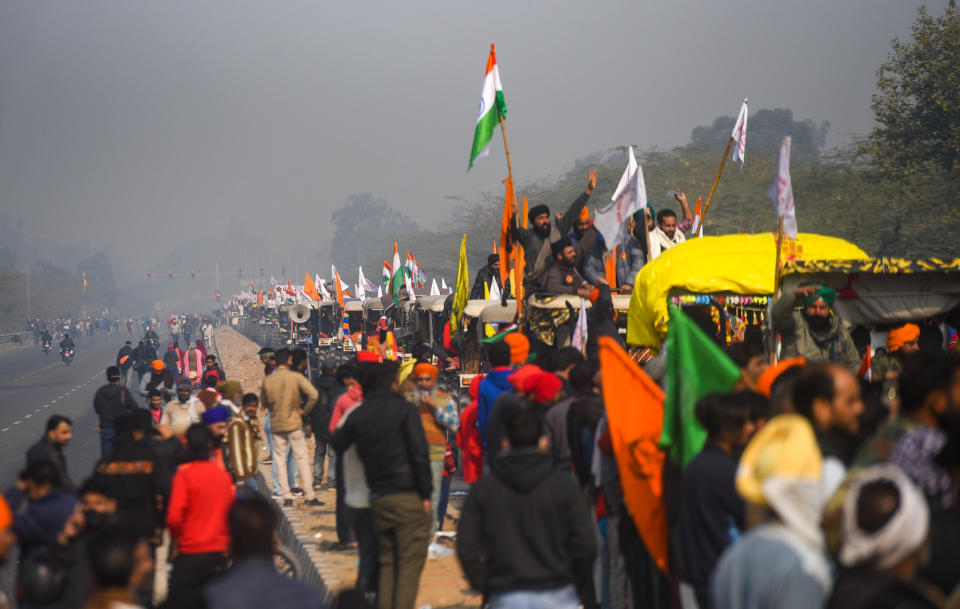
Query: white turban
[{"x": 902, "y": 535}]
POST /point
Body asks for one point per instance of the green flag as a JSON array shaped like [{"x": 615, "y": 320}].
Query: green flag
[{"x": 696, "y": 367}]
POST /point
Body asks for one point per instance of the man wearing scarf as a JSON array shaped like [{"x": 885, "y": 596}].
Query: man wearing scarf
[
  {"x": 669, "y": 229},
  {"x": 537, "y": 239},
  {"x": 814, "y": 333}
]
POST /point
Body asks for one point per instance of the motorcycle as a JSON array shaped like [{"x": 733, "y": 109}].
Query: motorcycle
[
  {"x": 46, "y": 347},
  {"x": 66, "y": 355}
]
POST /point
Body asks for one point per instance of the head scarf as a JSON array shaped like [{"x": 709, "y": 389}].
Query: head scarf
[
  {"x": 425, "y": 368},
  {"x": 822, "y": 293},
  {"x": 898, "y": 337},
  {"x": 519, "y": 347},
  {"x": 902, "y": 535},
  {"x": 781, "y": 469},
  {"x": 772, "y": 373},
  {"x": 519, "y": 378},
  {"x": 542, "y": 386},
  {"x": 219, "y": 414}
]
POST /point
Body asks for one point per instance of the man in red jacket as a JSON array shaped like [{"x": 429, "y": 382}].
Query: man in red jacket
[{"x": 200, "y": 500}]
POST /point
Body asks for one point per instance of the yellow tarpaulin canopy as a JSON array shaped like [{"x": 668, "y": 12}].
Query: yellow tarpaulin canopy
[{"x": 738, "y": 264}]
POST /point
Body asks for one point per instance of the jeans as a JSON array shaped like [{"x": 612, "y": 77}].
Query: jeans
[
  {"x": 436, "y": 475},
  {"x": 319, "y": 458},
  {"x": 443, "y": 501},
  {"x": 298, "y": 442},
  {"x": 291, "y": 462},
  {"x": 403, "y": 533},
  {"x": 346, "y": 515},
  {"x": 107, "y": 436},
  {"x": 557, "y": 598},
  {"x": 368, "y": 570}
]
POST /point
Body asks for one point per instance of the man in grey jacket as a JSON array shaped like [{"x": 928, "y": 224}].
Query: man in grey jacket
[{"x": 814, "y": 333}]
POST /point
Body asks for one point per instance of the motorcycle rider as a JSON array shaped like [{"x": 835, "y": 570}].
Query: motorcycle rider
[
  {"x": 45, "y": 337},
  {"x": 67, "y": 342}
]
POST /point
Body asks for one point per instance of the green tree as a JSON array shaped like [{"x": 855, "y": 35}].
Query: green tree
[{"x": 917, "y": 104}]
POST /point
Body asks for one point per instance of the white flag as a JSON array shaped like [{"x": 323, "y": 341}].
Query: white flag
[
  {"x": 739, "y": 135},
  {"x": 322, "y": 287},
  {"x": 359, "y": 291},
  {"x": 781, "y": 192},
  {"x": 434, "y": 290},
  {"x": 410, "y": 294},
  {"x": 443, "y": 284},
  {"x": 379, "y": 291},
  {"x": 579, "y": 340},
  {"x": 629, "y": 197},
  {"x": 494, "y": 291},
  {"x": 364, "y": 282}
]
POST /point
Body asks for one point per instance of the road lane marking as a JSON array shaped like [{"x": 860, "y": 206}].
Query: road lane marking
[
  {"x": 5, "y": 429},
  {"x": 27, "y": 416},
  {"x": 17, "y": 422}
]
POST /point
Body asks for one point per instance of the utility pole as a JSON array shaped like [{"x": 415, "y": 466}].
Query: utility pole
[
  {"x": 217, "y": 273},
  {"x": 29, "y": 317}
]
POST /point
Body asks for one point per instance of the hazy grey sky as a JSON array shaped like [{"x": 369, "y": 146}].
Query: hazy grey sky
[{"x": 132, "y": 117}]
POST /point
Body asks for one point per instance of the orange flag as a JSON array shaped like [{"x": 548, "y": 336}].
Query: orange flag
[
  {"x": 339, "y": 292},
  {"x": 310, "y": 288},
  {"x": 634, "y": 406},
  {"x": 260, "y": 298},
  {"x": 506, "y": 242},
  {"x": 519, "y": 262},
  {"x": 610, "y": 267}
]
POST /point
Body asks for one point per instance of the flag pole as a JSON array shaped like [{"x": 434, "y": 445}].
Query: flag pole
[
  {"x": 716, "y": 180},
  {"x": 777, "y": 278},
  {"x": 516, "y": 218}
]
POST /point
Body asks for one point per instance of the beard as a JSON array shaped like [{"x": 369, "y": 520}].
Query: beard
[
  {"x": 542, "y": 231},
  {"x": 818, "y": 323},
  {"x": 183, "y": 399}
]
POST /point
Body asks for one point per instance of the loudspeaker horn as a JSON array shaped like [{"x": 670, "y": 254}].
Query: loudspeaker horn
[{"x": 299, "y": 313}]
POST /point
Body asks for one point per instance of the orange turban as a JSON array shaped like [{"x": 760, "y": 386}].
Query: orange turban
[
  {"x": 157, "y": 365},
  {"x": 424, "y": 368},
  {"x": 898, "y": 337},
  {"x": 584, "y": 214},
  {"x": 519, "y": 347},
  {"x": 772, "y": 373}
]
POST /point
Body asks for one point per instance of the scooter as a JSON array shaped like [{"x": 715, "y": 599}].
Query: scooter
[
  {"x": 66, "y": 355},
  {"x": 46, "y": 347}
]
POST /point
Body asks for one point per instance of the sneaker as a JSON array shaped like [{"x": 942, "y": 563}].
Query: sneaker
[
  {"x": 314, "y": 502},
  {"x": 296, "y": 492},
  {"x": 288, "y": 503},
  {"x": 277, "y": 494}
]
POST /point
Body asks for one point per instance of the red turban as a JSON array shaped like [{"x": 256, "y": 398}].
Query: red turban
[
  {"x": 518, "y": 378},
  {"x": 542, "y": 386}
]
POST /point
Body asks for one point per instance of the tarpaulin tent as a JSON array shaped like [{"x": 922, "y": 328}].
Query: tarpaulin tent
[{"x": 735, "y": 264}]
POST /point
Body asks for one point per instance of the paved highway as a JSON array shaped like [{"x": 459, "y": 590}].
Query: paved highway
[{"x": 34, "y": 386}]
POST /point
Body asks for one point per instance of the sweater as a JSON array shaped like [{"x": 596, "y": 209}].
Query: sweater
[
  {"x": 199, "y": 502},
  {"x": 282, "y": 394}
]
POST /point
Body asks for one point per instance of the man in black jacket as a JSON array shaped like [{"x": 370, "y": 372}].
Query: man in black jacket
[
  {"x": 525, "y": 536},
  {"x": 58, "y": 433},
  {"x": 111, "y": 402},
  {"x": 393, "y": 449},
  {"x": 329, "y": 390}
]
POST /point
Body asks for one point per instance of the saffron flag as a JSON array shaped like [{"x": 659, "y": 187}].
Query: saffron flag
[
  {"x": 339, "y": 284},
  {"x": 310, "y": 288},
  {"x": 697, "y": 230},
  {"x": 463, "y": 287},
  {"x": 781, "y": 192},
  {"x": 696, "y": 367},
  {"x": 260, "y": 298},
  {"x": 739, "y": 135},
  {"x": 492, "y": 108},
  {"x": 634, "y": 406},
  {"x": 506, "y": 241},
  {"x": 629, "y": 197}
]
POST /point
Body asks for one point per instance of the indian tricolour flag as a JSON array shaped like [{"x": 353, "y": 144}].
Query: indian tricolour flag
[{"x": 492, "y": 107}]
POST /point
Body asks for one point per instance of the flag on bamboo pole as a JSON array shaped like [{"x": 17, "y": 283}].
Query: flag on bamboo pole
[
  {"x": 739, "y": 135},
  {"x": 396, "y": 276},
  {"x": 463, "y": 287},
  {"x": 696, "y": 367},
  {"x": 635, "y": 415},
  {"x": 629, "y": 197},
  {"x": 492, "y": 108},
  {"x": 520, "y": 263},
  {"x": 507, "y": 246},
  {"x": 781, "y": 192},
  {"x": 310, "y": 288}
]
